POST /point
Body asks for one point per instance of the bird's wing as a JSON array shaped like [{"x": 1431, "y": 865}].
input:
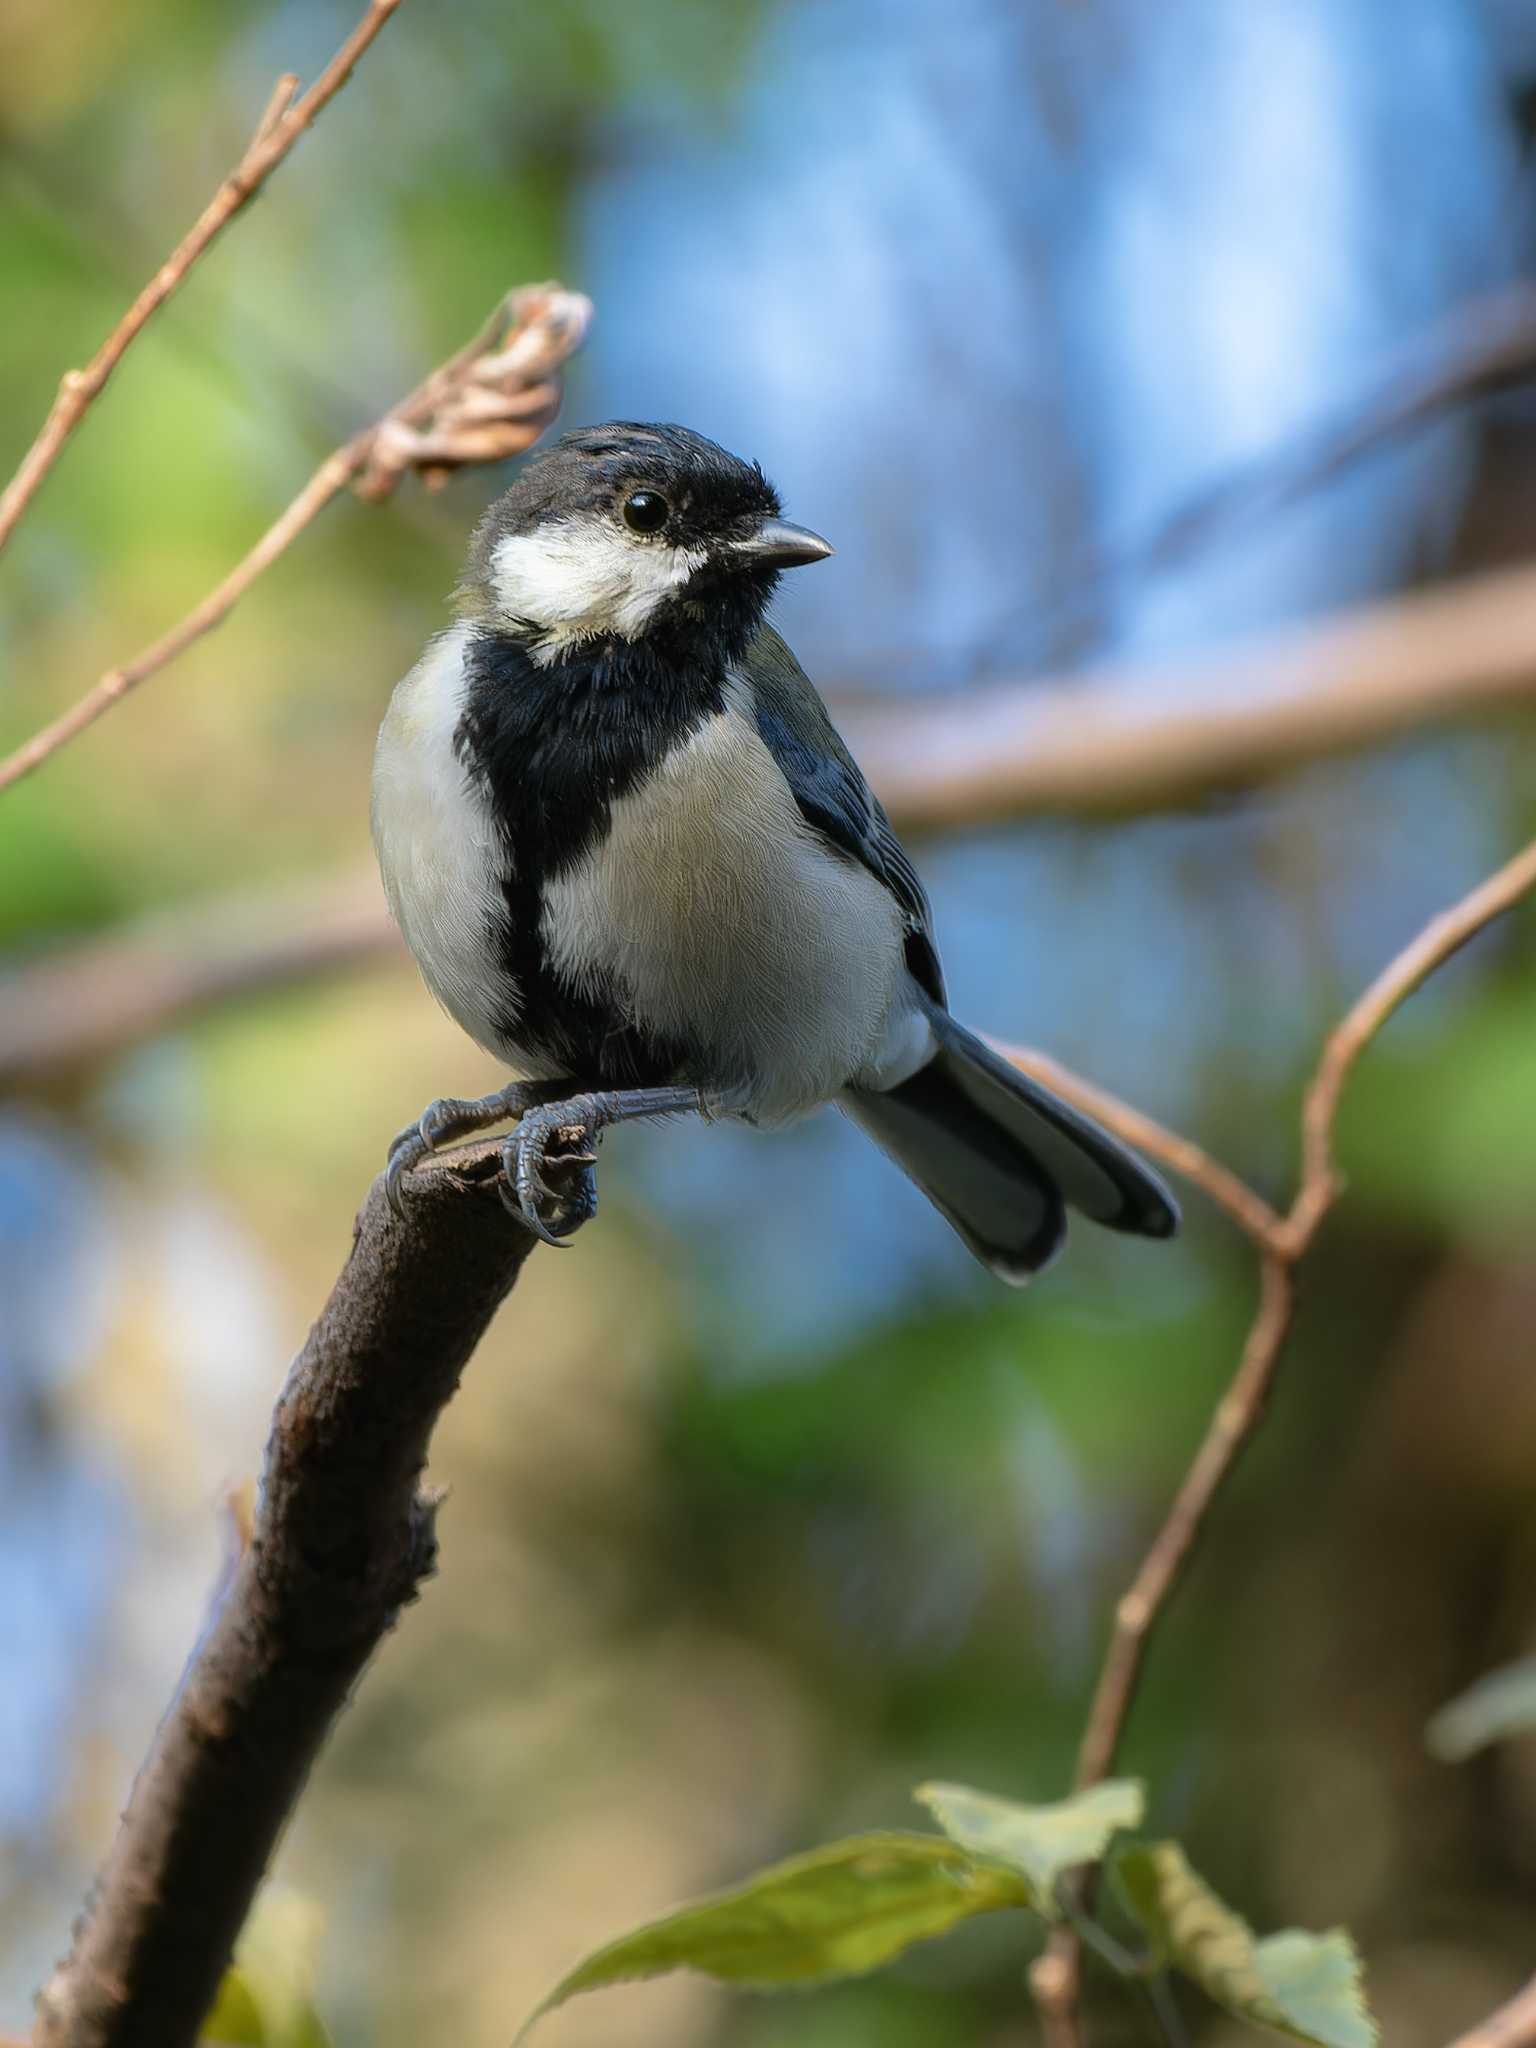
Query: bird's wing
[{"x": 829, "y": 786}]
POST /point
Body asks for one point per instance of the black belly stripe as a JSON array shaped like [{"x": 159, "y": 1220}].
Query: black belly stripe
[{"x": 553, "y": 748}]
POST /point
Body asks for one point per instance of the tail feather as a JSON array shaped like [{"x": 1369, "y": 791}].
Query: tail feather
[{"x": 999, "y": 1155}]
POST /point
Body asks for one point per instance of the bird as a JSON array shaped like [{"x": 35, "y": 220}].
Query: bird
[{"x": 635, "y": 861}]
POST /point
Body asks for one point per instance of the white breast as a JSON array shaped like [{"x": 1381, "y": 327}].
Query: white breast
[
  {"x": 725, "y": 920},
  {"x": 437, "y": 845}
]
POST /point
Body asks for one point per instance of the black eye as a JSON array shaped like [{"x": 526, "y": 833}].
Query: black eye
[{"x": 645, "y": 511}]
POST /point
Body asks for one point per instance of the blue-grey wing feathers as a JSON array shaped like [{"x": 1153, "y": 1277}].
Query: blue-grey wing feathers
[
  {"x": 997, "y": 1154},
  {"x": 829, "y": 787}
]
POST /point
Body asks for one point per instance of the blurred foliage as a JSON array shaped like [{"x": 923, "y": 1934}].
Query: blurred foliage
[
  {"x": 265, "y": 2000},
  {"x": 703, "y": 1602},
  {"x": 850, "y": 1907},
  {"x": 1306, "y": 1986}
]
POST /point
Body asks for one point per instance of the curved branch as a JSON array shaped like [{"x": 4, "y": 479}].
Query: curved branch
[
  {"x": 1512, "y": 2026},
  {"x": 1228, "y": 1190},
  {"x": 1054, "y": 1979},
  {"x": 342, "y": 1540}
]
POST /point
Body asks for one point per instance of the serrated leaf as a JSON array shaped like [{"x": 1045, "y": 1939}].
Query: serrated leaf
[
  {"x": 1307, "y": 1986},
  {"x": 1040, "y": 1842},
  {"x": 1501, "y": 1704},
  {"x": 836, "y": 1912}
]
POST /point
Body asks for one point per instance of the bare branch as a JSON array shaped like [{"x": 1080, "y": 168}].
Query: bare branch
[
  {"x": 343, "y": 1538},
  {"x": 92, "y": 999},
  {"x": 1442, "y": 937},
  {"x": 1248, "y": 1210},
  {"x": 1512, "y": 2026},
  {"x": 281, "y": 124},
  {"x": 1139, "y": 738},
  {"x": 523, "y": 380},
  {"x": 1282, "y": 1245}
]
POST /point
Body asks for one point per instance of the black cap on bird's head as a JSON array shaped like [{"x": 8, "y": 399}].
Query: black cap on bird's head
[{"x": 625, "y": 530}]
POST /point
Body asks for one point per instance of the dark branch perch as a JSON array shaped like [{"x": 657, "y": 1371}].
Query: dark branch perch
[{"x": 343, "y": 1538}]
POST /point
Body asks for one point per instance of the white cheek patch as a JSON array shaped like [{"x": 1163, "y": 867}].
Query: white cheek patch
[{"x": 577, "y": 578}]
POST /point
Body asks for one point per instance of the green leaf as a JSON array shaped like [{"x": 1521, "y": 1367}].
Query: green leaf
[
  {"x": 265, "y": 1998},
  {"x": 235, "y": 2021},
  {"x": 837, "y": 1912},
  {"x": 1307, "y": 1986},
  {"x": 1040, "y": 1842},
  {"x": 1500, "y": 1704}
]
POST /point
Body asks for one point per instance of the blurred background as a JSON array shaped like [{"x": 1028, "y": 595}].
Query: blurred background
[{"x": 765, "y": 1504}]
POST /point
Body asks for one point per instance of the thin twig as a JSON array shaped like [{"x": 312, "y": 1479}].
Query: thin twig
[
  {"x": 1283, "y": 1243},
  {"x": 1053, "y": 1984},
  {"x": 1442, "y": 937},
  {"x": 520, "y": 383},
  {"x": 1228, "y": 1190},
  {"x": 1512, "y": 2026},
  {"x": 332, "y": 476},
  {"x": 1237, "y": 1415},
  {"x": 277, "y": 106},
  {"x": 282, "y": 122}
]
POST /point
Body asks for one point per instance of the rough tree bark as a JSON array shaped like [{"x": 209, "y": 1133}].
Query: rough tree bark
[{"x": 343, "y": 1538}]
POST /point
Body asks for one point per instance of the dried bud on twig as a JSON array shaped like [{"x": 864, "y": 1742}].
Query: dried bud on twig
[{"x": 489, "y": 402}]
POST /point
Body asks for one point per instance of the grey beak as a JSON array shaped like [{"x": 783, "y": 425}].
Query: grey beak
[{"x": 778, "y": 545}]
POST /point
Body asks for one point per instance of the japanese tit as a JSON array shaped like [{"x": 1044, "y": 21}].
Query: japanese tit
[{"x": 634, "y": 859}]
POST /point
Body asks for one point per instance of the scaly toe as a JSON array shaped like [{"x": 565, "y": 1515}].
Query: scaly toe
[
  {"x": 522, "y": 1186},
  {"x": 528, "y": 1216}
]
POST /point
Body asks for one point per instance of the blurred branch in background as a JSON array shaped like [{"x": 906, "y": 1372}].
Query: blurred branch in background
[
  {"x": 1282, "y": 1244},
  {"x": 492, "y": 399},
  {"x": 1140, "y": 738},
  {"x": 1512, "y": 2026},
  {"x": 343, "y": 1539},
  {"x": 95, "y": 999},
  {"x": 282, "y": 123},
  {"x": 1111, "y": 740},
  {"x": 1103, "y": 746},
  {"x": 1484, "y": 347}
]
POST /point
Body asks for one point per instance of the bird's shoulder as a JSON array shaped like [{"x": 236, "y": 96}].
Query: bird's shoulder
[{"x": 831, "y": 791}]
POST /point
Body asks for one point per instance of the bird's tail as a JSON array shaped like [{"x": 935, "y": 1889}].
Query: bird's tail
[{"x": 1001, "y": 1157}]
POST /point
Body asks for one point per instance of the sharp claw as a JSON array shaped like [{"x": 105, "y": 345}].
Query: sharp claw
[
  {"x": 528, "y": 1195},
  {"x": 541, "y": 1230},
  {"x": 407, "y": 1152}
]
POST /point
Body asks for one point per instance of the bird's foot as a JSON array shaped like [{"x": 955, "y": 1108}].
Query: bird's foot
[
  {"x": 560, "y": 1139},
  {"x": 452, "y": 1117}
]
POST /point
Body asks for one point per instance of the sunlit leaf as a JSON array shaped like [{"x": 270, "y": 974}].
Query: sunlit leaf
[
  {"x": 1041, "y": 1842},
  {"x": 1307, "y": 1986},
  {"x": 235, "y": 2021},
  {"x": 836, "y": 1912},
  {"x": 1502, "y": 1703},
  {"x": 266, "y": 1998}
]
